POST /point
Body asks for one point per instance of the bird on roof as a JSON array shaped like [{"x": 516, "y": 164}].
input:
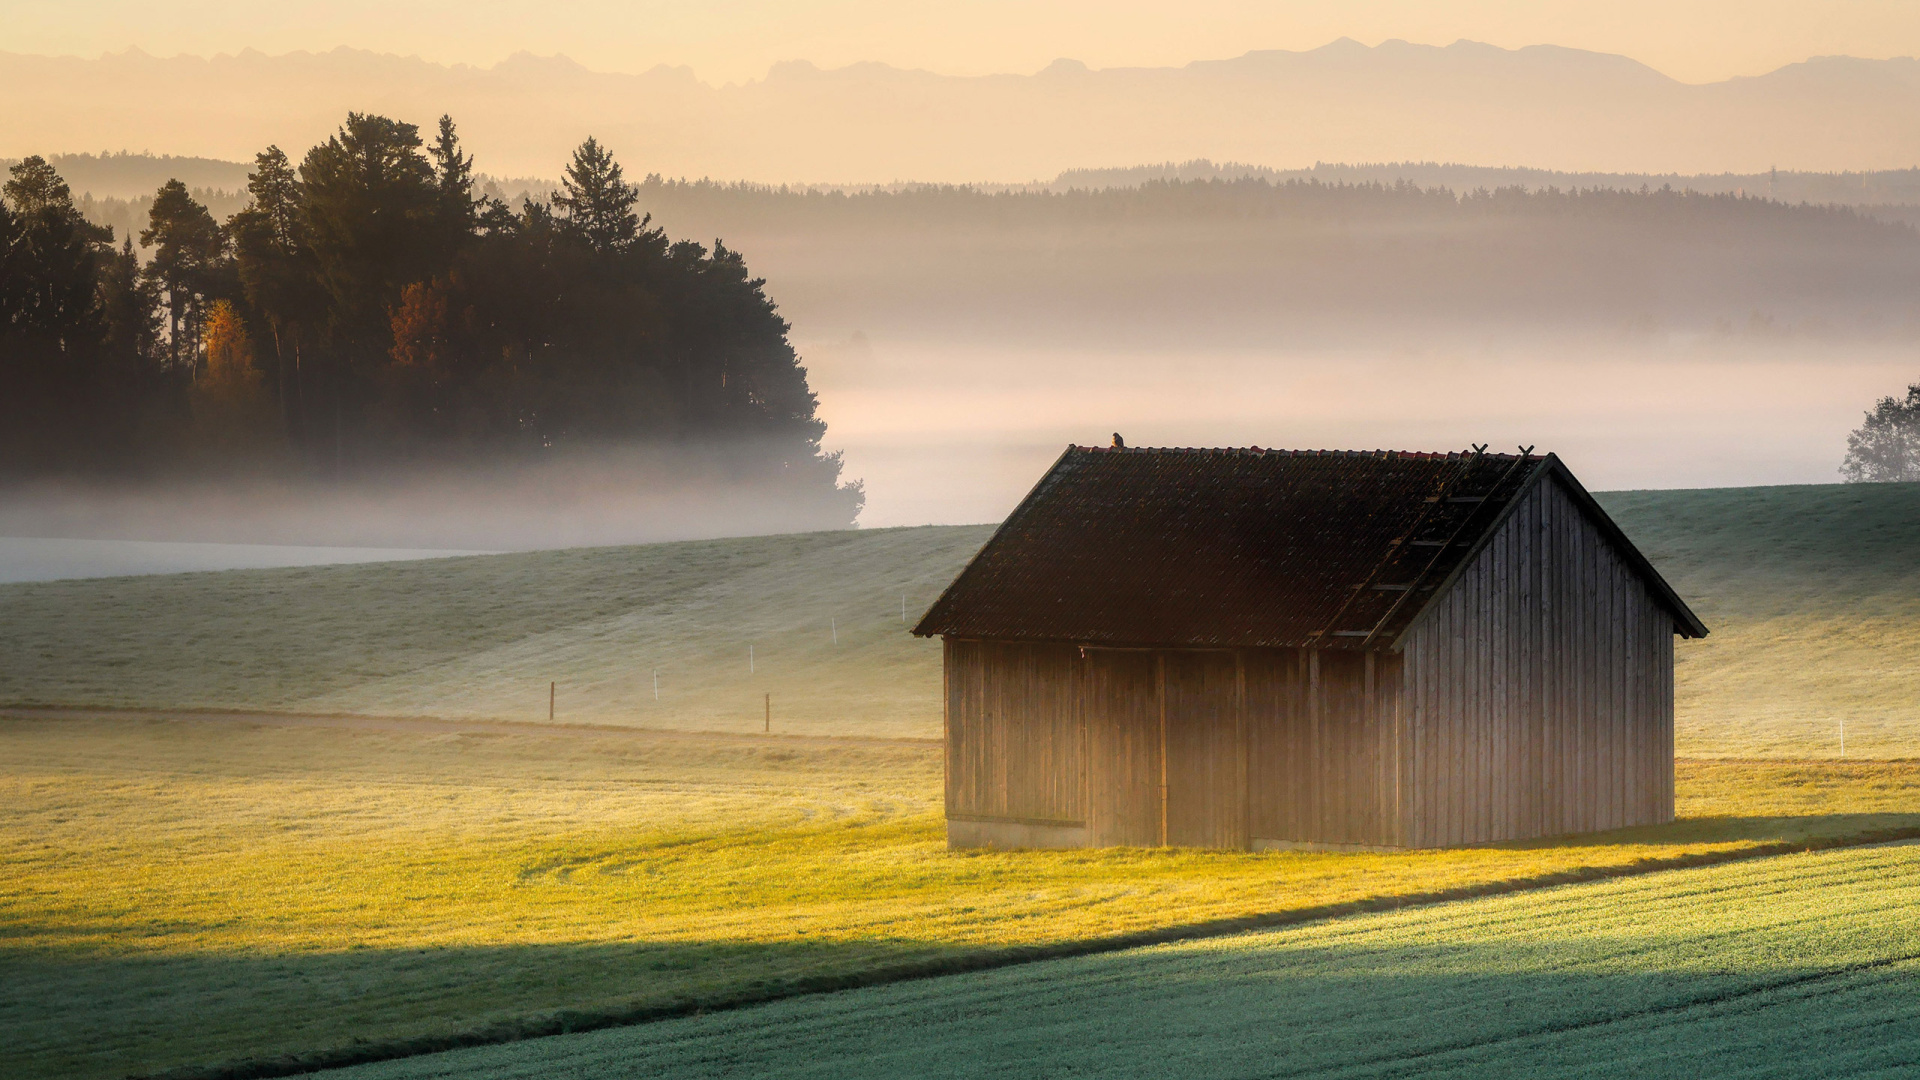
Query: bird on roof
[{"x": 1118, "y": 442}]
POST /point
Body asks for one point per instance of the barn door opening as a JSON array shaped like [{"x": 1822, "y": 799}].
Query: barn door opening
[{"x": 1204, "y": 793}]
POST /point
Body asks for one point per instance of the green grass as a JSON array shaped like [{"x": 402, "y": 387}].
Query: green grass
[
  {"x": 1813, "y": 597},
  {"x": 1796, "y": 966},
  {"x": 483, "y": 636},
  {"x": 179, "y": 892}
]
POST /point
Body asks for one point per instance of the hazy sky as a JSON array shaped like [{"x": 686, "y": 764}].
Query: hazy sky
[{"x": 734, "y": 40}]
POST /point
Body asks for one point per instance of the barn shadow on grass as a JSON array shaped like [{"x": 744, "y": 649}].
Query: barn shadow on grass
[
  {"x": 74, "y": 1014},
  {"x": 1451, "y": 999},
  {"x": 1818, "y": 829}
]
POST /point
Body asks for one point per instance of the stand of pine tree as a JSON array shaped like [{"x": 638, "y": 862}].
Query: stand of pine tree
[{"x": 368, "y": 310}]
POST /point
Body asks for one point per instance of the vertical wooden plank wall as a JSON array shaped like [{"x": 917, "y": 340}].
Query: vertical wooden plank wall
[
  {"x": 1325, "y": 748},
  {"x": 1014, "y": 733},
  {"x": 1539, "y": 691},
  {"x": 1123, "y": 748},
  {"x": 1205, "y": 804}
]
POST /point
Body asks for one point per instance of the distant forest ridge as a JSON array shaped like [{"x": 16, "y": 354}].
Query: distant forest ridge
[
  {"x": 115, "y": 189},
  {"x": 125, "y": 175}
]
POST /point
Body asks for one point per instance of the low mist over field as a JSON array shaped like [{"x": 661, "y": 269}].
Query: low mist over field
[
  {"x": 1657, "y": 335},
  {"x": 960, "y": 338},
  {"x": 1669, "y": 283}
]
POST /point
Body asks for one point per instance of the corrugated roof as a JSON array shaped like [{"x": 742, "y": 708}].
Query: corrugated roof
[{"x": 1239, "y": 547}]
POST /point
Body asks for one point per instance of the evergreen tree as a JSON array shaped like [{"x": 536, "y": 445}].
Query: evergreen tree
[
  {"x": 276, "y": 269},
  {"x": 51, "y": 259},
  {"x": 453, "y": 172},
  {"x": 371, "y": 207},
  {"x": 596, "y": 201},
  {"x": 36, "y": 187},
  {"x": 128, "y": 305},
  {"x": 188, "y": 265},
  {"x": 53, "y": 396}
]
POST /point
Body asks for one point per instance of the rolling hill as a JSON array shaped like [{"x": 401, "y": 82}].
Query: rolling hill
[{"x": 1812, "y": 594}]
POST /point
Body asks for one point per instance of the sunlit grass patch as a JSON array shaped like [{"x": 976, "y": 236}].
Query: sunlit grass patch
[
  {"x": 172, "y": 884},
  {"x": 1801, "y": 965}
]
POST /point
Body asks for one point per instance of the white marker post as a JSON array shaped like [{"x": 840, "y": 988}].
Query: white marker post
[
  {"x": 749, "y": 659},
  {"x": 903, "y": 607},
  {"x": 834, "y": 625},
  {"x": 656, "y": 684}
]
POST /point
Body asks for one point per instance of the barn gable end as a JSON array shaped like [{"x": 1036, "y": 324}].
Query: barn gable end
[{"x": 1538, "y": 685}]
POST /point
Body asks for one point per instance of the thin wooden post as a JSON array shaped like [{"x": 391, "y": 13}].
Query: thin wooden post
[
  {"x": 903, "y": 607},
  {"x": 769, "y": 728},
  {"x": 749, "y": 659},
  {"x": 834, "y": 625},
  {"x": 656, "y": 684},
  {"x": 550, "y": 696}
]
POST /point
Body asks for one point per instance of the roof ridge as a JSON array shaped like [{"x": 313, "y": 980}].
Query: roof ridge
[{"x": 1410, "y": 455}]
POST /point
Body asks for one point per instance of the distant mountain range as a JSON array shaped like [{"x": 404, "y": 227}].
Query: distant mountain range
[{"x": 1543, "y": 106}]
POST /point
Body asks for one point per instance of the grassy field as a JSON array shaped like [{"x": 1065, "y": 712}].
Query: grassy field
[
  {"x": 1798, "y": 966},
  {"x": 483, "y": 636},
  {"x": 1813, "y": 594},
  {"x": 181, "y": 892},
  {"x": 187, "y": 891}
]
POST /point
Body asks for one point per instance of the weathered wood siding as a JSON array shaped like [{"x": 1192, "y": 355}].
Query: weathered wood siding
[
  {"x": 1534, "y": 699},
  {"x": 1206, "y": 743},
  {"x": 1324, "y": 739},
  {"x": 1122, "y": 695},
  {"x": 1014, "y": 734},
  {"x": 1183, "y": 747},
  {"x": 1539, "y": 690}
]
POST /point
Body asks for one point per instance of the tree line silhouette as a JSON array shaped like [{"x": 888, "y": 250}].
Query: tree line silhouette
[{"x": 367, "y": 307}]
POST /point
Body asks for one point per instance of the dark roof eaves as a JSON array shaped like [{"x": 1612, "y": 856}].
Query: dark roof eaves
[{"x": 920, "y": 628}]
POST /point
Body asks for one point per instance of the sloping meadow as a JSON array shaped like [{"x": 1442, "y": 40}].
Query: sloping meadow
[
  {"x": 1812, "y": 594},
  {"x": 299, "y": 890},
  {"x": 691, "y": 635}
]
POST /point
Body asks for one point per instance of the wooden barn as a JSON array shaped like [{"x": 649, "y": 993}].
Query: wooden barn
[{"x": 1305, "y": 649}]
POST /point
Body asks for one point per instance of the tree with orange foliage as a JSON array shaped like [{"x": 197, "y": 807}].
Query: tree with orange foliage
[
  {"x": 420, "y": 325},
  {"x": 231, "y": 409}
]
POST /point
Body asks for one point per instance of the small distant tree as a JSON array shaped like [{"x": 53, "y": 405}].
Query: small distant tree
[
  {"x": 453, "y": 172},
  {"x": 596, "y": 201},
  {"x": 1887, "y": 446},
  {"x": 36, "y": 187}
]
